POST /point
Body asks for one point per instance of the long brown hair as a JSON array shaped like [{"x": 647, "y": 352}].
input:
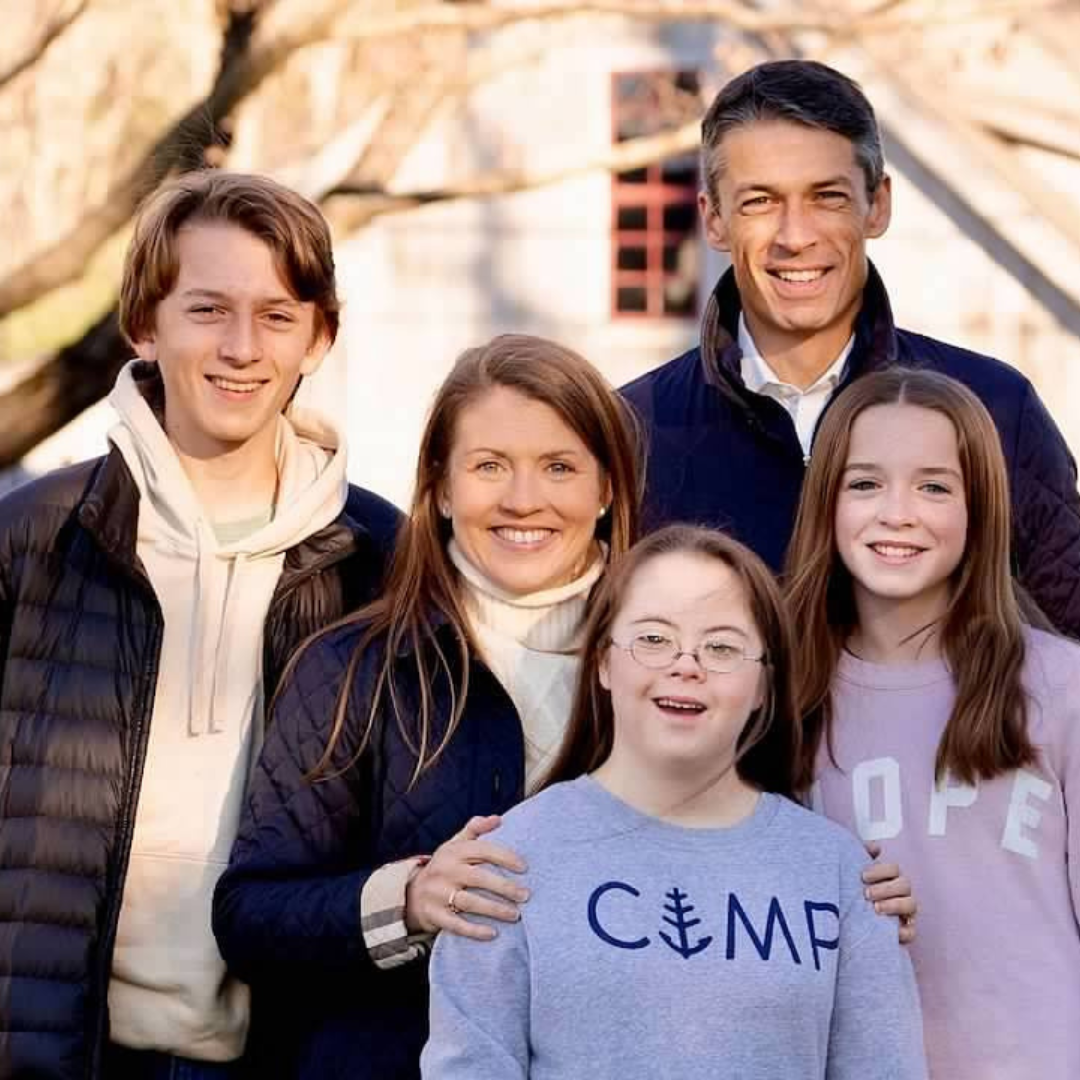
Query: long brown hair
[
  {"x": 423, "y": 589},
  {"x": 768, "y": 749},
  {"x": 982, "y": 629}
]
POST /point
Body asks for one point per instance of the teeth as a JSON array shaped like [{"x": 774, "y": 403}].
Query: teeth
[
  {"x": 235, "y": 387},
  {"x": 896, "y": 551},
  {"x": 799, "y": 275},
  {"x": 524, "y": 536},
  {"x": 685, "y": 706}
]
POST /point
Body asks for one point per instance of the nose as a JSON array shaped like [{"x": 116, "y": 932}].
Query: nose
[
  {"x": 687, "y": 666},
  {"x": 241, "y": 344},
  {"x": 794, "y": 231},
  {"x": 522, "y": 495},
  {"x": 896, "y": 508}
]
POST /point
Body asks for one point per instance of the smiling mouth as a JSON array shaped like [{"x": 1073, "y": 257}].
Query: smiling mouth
[
  {"x": 523, "y": 537},
  {"x": 896, "y": 551},
  {"x": 683, "y": 706},
  {"x": 799, "y": 277},
  {"x": 233, "y": 386}
]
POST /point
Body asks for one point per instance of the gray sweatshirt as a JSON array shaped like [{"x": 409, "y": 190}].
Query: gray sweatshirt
[{"x": 652, "y": 951}]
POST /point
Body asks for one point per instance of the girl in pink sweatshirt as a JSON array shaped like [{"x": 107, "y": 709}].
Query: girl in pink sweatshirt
[{"x": 942, "y": 719}]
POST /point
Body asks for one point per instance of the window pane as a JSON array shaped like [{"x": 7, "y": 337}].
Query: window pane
[
  {"x": 632, "y": 258},
  {"x": 632, "y": 217},
  {"x": 680, "y": 170},
  {"x": 631, "y": 298},
  {"x": 679, "y": 297},
  {"x": 680, "y": 217}
]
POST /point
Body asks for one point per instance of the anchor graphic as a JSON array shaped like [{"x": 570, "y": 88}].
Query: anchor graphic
[{"x": 682, "y": 923}]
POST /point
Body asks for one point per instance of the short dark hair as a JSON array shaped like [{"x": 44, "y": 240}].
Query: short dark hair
[
  {"x": 800, "y": 92},
  {"x": 290, "y": 225}
]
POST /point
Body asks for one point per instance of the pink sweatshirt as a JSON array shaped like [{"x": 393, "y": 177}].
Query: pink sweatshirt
[{"x": 995, "y": 868}]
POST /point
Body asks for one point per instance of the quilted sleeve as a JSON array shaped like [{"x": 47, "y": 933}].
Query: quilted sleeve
[
  {"x": 289, "y": 902},
  {"x": 1047, "y": 525}
]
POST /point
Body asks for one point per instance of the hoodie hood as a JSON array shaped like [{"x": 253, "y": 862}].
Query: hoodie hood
[{"x": 225, "y": 588}]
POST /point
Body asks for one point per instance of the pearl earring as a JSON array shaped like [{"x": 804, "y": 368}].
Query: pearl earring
[{"x": 601, "y": 512}]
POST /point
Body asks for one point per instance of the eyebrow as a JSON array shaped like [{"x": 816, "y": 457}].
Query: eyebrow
[
  {"x": 214, "y": 294},
  {"x": 708, "y": 630},
  {"x": 929, "y": 470},
  {"x": 771, "y": 189},
  {"x": 502, "y": 453}
]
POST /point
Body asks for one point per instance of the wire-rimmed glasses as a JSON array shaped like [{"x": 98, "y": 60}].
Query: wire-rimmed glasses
[{"x": 658, "y": 651}]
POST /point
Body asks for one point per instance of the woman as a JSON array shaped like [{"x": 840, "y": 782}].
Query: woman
[
  {"x": 398, "y": 733},
  {"x": 687, "y": 919}
]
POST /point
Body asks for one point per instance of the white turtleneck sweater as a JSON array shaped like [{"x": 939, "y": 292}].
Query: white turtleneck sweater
[
  {"x": 530, "y": 644},
  {"x": 169, "y": 989}
]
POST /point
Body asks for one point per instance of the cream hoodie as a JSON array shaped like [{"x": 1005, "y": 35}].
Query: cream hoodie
[{"x": 169, "y": 989}]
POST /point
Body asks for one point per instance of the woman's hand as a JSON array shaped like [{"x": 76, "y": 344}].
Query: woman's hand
[
  {"x": 450, "y": 883},
  {"x": 890, "y": 892}
]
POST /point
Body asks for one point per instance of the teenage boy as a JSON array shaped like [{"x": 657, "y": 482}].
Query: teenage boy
[
  {"x": 148, "y": 603},
  {"x": 795, "y": 185}
]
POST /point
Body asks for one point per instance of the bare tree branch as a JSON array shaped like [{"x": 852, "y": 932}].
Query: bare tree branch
[
  {"x": 248, "y": 57},
  {"x": 372, "y": 202},
  {"x": 476, "y": 15},
  {"x": 36, "y": 51}
]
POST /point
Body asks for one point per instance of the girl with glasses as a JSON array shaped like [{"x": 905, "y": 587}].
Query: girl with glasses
[
  {"x": 939, "y": 721},
  {"x": 687, "y": 918}
]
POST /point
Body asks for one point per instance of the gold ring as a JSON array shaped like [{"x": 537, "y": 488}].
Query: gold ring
[{"x": 451, "y": 901}]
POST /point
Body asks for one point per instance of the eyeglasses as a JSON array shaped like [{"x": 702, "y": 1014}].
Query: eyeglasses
[{"x": 658, "y": 651}]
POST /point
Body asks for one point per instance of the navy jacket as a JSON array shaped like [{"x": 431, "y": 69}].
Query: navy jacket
[
  {"x": 287, "y": 910},
  {"x": 723, "y": 456},
  {"x": 80, "y": 641}
]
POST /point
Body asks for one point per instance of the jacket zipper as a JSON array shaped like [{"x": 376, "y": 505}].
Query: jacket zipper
[{"x": 126, "y": 820}]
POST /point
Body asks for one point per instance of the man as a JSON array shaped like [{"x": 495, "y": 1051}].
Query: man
[
  {"x": 794, "y": 187},
  {"x": 148, "y": 603}
]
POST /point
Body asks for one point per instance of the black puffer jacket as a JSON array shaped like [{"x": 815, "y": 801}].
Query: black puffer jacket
[{"x": 80, "y": 639}]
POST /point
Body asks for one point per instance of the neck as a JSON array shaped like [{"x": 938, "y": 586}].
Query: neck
[
  {"x": 690, "y": 798},
  {"x": 899, "y": 632},
  {"x": 799, "y": 359},
  {"x": 237, "y": 484}
]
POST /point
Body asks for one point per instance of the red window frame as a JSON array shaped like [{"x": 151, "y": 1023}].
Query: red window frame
[{"x": 653, "y": 217}]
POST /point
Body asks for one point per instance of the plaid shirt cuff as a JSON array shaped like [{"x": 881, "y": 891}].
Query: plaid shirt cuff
[{"x": 382, "y": 916}]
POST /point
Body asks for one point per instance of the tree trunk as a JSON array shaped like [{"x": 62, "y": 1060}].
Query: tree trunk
[{"x": 57, "y": 391}]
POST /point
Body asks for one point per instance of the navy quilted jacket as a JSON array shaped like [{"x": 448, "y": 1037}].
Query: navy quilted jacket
[
  {"x": 723, "y": 456},
  {"x": 80, "y": 638},
  {"x": 287, "y": 911}
]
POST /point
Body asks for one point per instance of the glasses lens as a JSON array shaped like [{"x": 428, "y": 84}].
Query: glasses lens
[
  {"x": 720, "y": 656},
  {"x": 653, "y": 650}
]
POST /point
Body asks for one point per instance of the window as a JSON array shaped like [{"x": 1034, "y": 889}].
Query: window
[{"x": 654, "y": 240}]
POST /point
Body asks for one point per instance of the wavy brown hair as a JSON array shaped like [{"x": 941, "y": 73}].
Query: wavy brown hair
[
  {"x": 423, "y": 601},
  {"x": 767, "y": 754},
  {"x": 291, "y": 226},
  {"x": 981, "y": 631}
]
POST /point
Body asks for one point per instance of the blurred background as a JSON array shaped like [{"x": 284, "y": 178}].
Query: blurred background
[{"x": 494, "y": 165}]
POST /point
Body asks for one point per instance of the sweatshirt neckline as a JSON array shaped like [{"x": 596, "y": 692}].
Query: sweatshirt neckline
[
  {"x": 892, "y": 676},
  {"x": 631, "y": 821}
]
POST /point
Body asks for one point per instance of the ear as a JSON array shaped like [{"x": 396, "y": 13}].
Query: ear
[
  {"x": 762, "y": 689},
  {"x": 315, "y": 355},
  {"x": 602, "y": 670},
  {"x": 442, "y": 502},
  {"x": 880, "y": 215},
  {"x": 716, "y": 231},
  {"x": 146, "y": 349}
]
